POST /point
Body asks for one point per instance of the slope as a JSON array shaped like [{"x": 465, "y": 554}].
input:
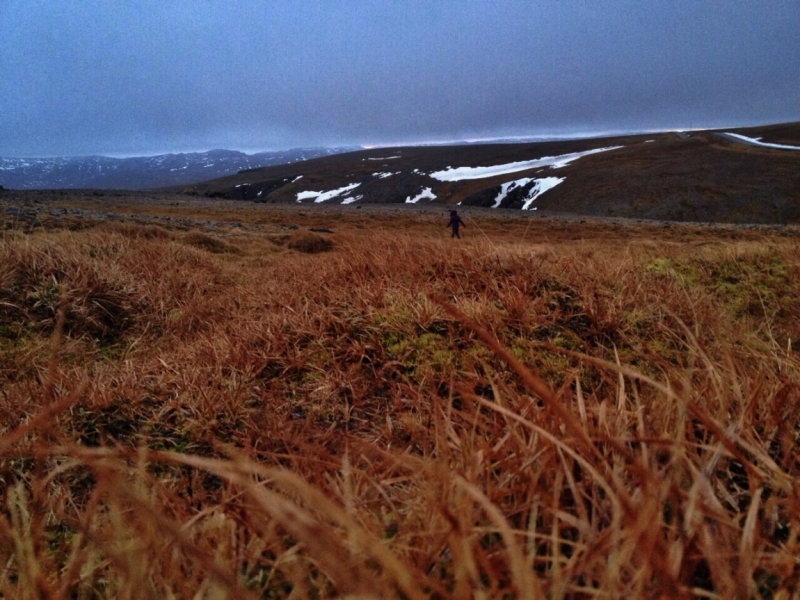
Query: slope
[{"x": 690, "y": 176}]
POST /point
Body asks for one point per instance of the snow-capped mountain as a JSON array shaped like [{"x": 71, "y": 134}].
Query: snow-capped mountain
[{"x": 141, "y": 172}]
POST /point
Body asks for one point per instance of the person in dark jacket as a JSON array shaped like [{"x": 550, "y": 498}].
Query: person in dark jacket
[{"x": 454, "y": 222}]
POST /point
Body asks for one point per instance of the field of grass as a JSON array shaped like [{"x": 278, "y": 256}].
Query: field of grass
[{"x": 543, "y": 409}]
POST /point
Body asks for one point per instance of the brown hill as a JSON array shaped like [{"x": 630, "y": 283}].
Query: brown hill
[{"x": 696, "y": 176}]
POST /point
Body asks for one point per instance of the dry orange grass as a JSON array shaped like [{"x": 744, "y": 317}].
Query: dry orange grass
[{"x": 403, "y": 416}]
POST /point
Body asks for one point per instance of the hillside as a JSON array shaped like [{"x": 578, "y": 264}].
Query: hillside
[{"x": 694, "y": 176}]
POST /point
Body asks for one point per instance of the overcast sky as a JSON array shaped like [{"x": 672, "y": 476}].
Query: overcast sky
[{"x": 140, "y": 77}]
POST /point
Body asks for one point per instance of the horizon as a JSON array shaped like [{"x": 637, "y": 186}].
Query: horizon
[{"x": 521, "y": 139}]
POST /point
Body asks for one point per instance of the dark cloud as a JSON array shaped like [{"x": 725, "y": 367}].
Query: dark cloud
[{"x": 145, "y": 76}]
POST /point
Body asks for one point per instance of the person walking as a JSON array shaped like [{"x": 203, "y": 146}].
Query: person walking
[{"x": 454, "y": 222}]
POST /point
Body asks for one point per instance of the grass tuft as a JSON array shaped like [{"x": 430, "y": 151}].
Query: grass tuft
[
  {"x": 209, "y": 243},
  {"x": 308, "y": 243}
]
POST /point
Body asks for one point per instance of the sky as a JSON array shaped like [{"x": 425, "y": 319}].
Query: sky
[{"x": 133, "y": 77}]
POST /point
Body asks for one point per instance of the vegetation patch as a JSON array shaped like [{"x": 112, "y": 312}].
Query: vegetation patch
[
  {"x": 308, "y": 243},
  {"x": 209, "y": 243},
  {"x": 136, "y": 230}
]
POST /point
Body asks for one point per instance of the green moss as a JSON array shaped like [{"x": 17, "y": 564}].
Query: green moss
[
  {"x": 519, "y": 352},
  {"x": 682, "y": 269},
  {"x": 636, "y": 321},
  {"x": 760, "y": 284},
  {"x": 174, "y": 315},
  {"x": 421, "y": 353},
  {"x": 568, "y": 340},
  {"x": 666, "y": 350},
  {"x": 480, "y": 352},
  {"x": 552, "y": 365},
  {"x": 397, "y": 345}
]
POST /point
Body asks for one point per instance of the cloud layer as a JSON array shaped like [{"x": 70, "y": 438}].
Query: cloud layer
[{"x": 138, "y": 77}]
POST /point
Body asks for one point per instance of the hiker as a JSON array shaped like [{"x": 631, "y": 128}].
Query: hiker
[{"x": 454, "y": 222}]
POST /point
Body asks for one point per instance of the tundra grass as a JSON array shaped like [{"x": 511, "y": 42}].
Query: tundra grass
[{"x": 522, "y": 413}]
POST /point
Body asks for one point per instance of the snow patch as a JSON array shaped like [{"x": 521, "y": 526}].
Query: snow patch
[
  {"x": 507, "y": 187},
  {"x": 298, "y": 178},
  {"x": 426, "y": 193},
  {"x": 351, "y": 199},
  {"x": 382, "y": 175},
  {"x": 555, "y": 162},
  {"x": 323, "y": 196},
  {"x": 539, "y": 188},
  {"x": 385, "y": 158},
  {"x": 758, "y": 142}
]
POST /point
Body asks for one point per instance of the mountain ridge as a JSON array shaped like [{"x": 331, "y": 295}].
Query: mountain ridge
[{"x": 142, "y": 172}]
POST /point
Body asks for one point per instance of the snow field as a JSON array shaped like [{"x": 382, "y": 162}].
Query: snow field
[
  {"x": 555, "y": 162},
  {"x": 323, "y": 196}
]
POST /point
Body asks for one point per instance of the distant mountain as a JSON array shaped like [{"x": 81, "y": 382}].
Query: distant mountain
[{"x": 141, "y": 172}]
